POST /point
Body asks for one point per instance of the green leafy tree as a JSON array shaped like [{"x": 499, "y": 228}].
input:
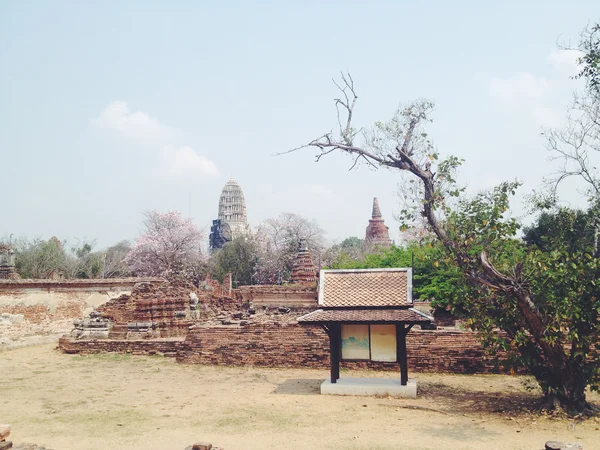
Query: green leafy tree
[
  {"x": 563, "y": 267},
  {"x": 435, "y": 278},
  {"x": 505, "y": 293},
  {"x": 39, "y": 258},
  {"x": 340, "y": 255},
  {"x": 238, "y": 257},
  {"x": 82, "y": 262}
]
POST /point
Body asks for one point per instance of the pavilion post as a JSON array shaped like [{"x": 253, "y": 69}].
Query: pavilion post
[
  {"x": 401, "y": 333},
  {"x": 334, "y": 350}
]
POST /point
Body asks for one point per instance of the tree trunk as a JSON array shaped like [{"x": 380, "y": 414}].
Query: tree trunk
[{"x": 566, "y": 390}]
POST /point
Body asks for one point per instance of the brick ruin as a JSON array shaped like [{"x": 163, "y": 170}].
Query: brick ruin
[
  {"x": 36, "y": 311},
  {"x": 377, "y": 235},
  {"x": 252, "y": 325},
  {"x": 303, "y": 270}
]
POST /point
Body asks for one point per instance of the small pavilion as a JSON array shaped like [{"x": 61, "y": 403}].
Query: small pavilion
[{"x": 367, "y": 314}]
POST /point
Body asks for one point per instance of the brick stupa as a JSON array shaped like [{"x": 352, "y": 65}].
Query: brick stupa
[
  {"x": 377, "y": 235},
  {"x": 304, "y": 271}
]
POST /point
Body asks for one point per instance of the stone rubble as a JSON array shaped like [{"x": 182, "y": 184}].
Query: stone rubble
[{"x": 92, "y": 328}]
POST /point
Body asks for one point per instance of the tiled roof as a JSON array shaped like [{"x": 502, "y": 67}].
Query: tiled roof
[
  {"x": 364, "y": 288},
  {"x": 409, "y": 315}
]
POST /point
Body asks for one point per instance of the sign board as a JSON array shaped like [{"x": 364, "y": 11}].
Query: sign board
[
  {"x": 355, "y": 342},
  {"x": 369, "y": 342}
]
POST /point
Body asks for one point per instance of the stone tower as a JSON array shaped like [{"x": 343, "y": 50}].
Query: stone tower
[
  {"x": 232, "y": 221},
  {"x": 377, "y": 234},
  {"x": 304, "y": 271}
]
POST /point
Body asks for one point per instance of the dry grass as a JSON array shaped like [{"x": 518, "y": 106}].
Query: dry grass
[{"x": 125, "y": 402}]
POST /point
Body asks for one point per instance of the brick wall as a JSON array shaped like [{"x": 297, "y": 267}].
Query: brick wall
[
  {"x": 270, "y": 345},
  {"x": 165, "y": 347},
  {"x": 276, "y": 345},
  {"x": 150, "y": 302}
]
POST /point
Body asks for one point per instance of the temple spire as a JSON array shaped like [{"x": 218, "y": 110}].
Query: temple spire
[
  {"x": 376, "y": 211},
  {"x": 377, "y": 235}
]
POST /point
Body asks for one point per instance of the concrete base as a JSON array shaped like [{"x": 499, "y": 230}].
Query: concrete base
[{"x": 370, "y": 387}]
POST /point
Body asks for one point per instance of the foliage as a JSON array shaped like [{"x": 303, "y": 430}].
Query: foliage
[
  {"x": 563, "y": 267},
  {"x": 435, "y": 278},
  {"x": 238, "y": 257},
  {"x": 590, "y": 59},
  {"x": 38, "y": 258},
  {"x": 169, "y": 246},
  {"x": 339, "y": 255},
  {"x": 572, "y": 228}
]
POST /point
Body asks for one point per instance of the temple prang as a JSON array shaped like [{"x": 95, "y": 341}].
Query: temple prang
[{"x": 232, "y": 221}]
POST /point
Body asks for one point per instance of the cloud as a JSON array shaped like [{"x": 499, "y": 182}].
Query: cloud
[
  {"x": 136, "y": 125},
  {"x": 322, "y": 191},
  {"x": 185, "y": 162},
  {"x": 565, "y": 61},
  {"x": 516, "y": 89},
  {"x": 542, "y": 98}
]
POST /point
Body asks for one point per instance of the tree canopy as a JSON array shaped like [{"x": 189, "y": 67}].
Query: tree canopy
[{"x": 169, "y": 245}]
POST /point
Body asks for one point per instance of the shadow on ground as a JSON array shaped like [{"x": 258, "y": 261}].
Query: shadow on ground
[
  {"x": 299, "y": 386},
  {"x": 456, "y": 399}
]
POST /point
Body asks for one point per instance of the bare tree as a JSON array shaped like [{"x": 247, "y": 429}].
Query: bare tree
[
  {"x": 277, "y": 240},
  {"x": 113, "y": 260},
  {"x": 577, "y": 145}
]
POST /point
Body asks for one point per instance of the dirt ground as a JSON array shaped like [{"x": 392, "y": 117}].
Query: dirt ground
[{"x": 128, "y": 402}]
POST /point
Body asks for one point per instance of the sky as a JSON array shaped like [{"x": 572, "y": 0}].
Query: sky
[{"x": 111, "y": 108}]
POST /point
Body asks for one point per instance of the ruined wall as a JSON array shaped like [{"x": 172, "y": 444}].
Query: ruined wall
[
  {"x": 36, "y": 311},
  {"x": 162, "y": 305},
  {"x": 276, "y": 345},
  {"x": 280, "y": 345},
  {"x": 164, "y": 347}
]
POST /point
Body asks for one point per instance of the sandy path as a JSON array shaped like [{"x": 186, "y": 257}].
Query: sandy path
[{"x": 122, "y": 402}]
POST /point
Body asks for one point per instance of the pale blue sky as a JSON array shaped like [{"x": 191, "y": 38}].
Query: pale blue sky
[{"x": 110, "y": 108}]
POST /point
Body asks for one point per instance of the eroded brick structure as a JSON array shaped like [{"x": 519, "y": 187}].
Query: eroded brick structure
[
  {"x": 377, "y": 235},
  {"x": 153, "y": 310},
  {"x": 304, "y": 270},
  {"x": 257, "y": 325}
]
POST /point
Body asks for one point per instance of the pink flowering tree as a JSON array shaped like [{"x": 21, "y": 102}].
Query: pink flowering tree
[{"x": 169, "y": 246}]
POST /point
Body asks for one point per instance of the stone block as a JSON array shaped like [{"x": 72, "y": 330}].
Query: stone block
[{"x": 202, "y": 446}]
